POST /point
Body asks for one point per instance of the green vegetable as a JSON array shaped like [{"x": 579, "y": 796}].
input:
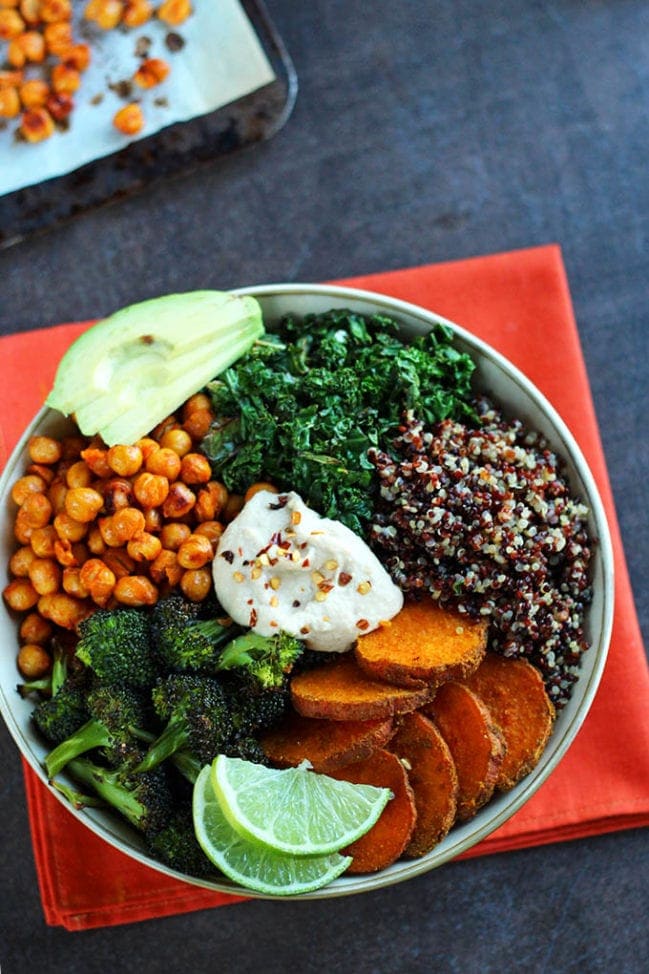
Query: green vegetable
[
  {"x": 115, "y": 644},
  {"x": 124, "y": 375},
  {"x": 183, "y": 641},
  {"x": 144, "y": 800},
  {"x": 267, "y": 659},
  {"x": 304, "y": 405}
]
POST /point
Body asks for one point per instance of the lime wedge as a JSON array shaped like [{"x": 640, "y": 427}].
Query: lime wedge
[
  {"x": 294, "y": 810},
  {"x": 251, "y": 865}
]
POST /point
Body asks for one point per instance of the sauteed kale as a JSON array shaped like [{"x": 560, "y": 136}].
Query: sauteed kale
[{"x": 305, "y": 404}]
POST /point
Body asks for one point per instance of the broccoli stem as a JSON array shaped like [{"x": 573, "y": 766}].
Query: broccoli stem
[
  {"x": 106, "y": 785},
  {"x": 92, "y": 734},
  {"x": 173, "y": 738}
]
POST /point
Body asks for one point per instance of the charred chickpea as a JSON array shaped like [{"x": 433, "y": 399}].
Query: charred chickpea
[
  {"x": 165, "y": 462},
  {"x": 36, "y": 125},
  {"x": 211, "y": 500},
  {"x": 168, "y": 423},
  {"x": 257, "y": 488},
  {"x": 79, "y": 474},
  {"x": 35, "y": 511},
  {"x": 144, "y": 547},
  {"x": 63, "y": 610},
  {"x": 232, "y": 507},
  {"x": 196, "y": 583},
  {"x": 24, "y": 486},
  {"x": 195, "y": 469},
  {"x": 68, "y": 528},
  {"x": 129, "y": 120},
  {"x": 124, "y": 460},
  {"x": 178, "y": 440},
  {"x": 30, "y": 11},
  {"x": 35, "y": 629},
  {"x": 58, "y": 38},
  {"x": 20, "y": 595},
  {"x": 40, "y": 470},
  {"x": 57, "y": 493},
  {"x": 97, "y": 460},
  {"x": 95, "y": 541},
  {"x": 174, "y": 12},
  {"x": 83, "y": 504},
  {"x": 148, "y": 446},
  {"x": 150, "y": 489},
  {"x": 119, "y": 561},
  {"x": 9, "y": 103},
  {"x": 118, "y": 493},
  {"x": 65, "y": 80},
  {"x": 21, "y": 560},
  {"x": 200, "y": 400},
  {"x": 212, "y": 530},
  {"x": 105, "y": 13},
  {"x": 152, "y": 519},
  {"x": 151, "y": 72},
  {"x": 98, "y": 579},
  {"x": 53, "y": 11},
  {"x": 135, "y": 590},
  {"x": 45, "y": 575},
  {"x": 34, "y": 93},
  {"x": 44, "y": 449},
  {"x": 137, "y": 13},
  {"x": 126, "y": 523},
  {"x": 179, "y": 501},
  {"x": 34, "y": 661},
  {"x": 70, "y": 555},
  {"x": 173, "y": 534},
  {"x": 28, "y": 47},
  {"x": 78, "y": 56},
  {"x": 72, "y": 584},
  {"x": 10, "y": 78},
  {"x": 43, "y": 541},
  {"x": 198, "y": 423},
  {"x": 165, "y": 568},
  {"x": 72, "y": 446},
  {"x": 195, "y": 552},
  {"x": 11, "y": 24},
  {"x": 109, "y": 535},
  {"x": 59, "y": 104}
]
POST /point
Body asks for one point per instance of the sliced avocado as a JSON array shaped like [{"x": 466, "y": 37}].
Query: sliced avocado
[{"x": 131, "y": 370}]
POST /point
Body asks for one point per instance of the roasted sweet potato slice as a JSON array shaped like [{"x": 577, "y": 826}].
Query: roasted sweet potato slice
[
  {"x": 327, "y": 744},
  {"x": 387, "y": 840},
  {"x": 433, "y": 779},
  {"x": 342, "y": 691},
  {"x": 475, "y": 742},
  {"x": 423, "y": 645},
  {"x": 514, "y": 693}
]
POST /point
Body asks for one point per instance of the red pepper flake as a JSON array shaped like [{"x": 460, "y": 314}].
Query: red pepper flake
[
  {"x": 228, "y": 555},
  {"x": 252, "y": 621},
  {"x": 305, "y": 630},
  {"x": 306, "y": 563},
  {"x": 362, "y": 624},
  {"x": 344, "y": 578}
]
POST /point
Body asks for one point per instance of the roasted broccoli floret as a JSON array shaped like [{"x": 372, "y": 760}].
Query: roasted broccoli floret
[
  {"x": 246, "y": 748},
  {"x": 197, "y": 717},
  {"x": 145, "y": 800},
  {"x": 185, "y": 642},
  {"x": 116, "y": 645},
  {"x": 60, "y": 716},
  {"x": 254, "y": 709},
  {"x": 266, "y": 658},
  {"x": 176, "y": 846},
  {"x": 65, "y": 710},
  {"x": 116, "y": 714}
]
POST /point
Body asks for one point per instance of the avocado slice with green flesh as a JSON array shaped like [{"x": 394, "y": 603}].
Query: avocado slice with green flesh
[{"x": 128, "y": 372}]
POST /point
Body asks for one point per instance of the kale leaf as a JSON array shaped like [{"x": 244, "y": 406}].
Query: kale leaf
[{"x": 305, "y": 404}]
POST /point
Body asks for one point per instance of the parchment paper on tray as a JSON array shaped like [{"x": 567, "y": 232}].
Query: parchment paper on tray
[{"x": 221, "y": 61}]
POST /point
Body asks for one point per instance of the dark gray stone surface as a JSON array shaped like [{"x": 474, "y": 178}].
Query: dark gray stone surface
[{"x": 422, "y": 132}]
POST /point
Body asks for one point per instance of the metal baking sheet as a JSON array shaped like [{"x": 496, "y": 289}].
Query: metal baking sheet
[{"x": 177, "y": 149}]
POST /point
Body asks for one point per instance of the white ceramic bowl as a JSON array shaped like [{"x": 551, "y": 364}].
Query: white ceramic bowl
[{"x": 519, "y": 398}]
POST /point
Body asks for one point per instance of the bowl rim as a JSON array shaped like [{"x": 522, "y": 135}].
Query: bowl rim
[{"x": 462, "y": 837}]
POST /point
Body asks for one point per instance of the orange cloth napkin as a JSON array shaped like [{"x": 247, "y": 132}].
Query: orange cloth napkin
[{"x": 518, "y": 302}]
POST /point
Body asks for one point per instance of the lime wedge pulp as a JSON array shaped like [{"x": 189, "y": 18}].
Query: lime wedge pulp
[
  {"x": 251, "y": 865},
  {"x": 294, "y": 810}
]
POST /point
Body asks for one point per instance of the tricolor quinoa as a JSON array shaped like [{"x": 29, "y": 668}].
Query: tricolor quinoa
[{"x": 483, "y": 519}]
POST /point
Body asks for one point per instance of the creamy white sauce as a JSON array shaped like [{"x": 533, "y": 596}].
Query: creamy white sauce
[{"x": 280, "y": 566}]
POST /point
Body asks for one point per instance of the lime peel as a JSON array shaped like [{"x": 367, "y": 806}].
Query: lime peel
[
  {"x": 250, "y": 865},
  {"x": 294, "y": 810}
]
